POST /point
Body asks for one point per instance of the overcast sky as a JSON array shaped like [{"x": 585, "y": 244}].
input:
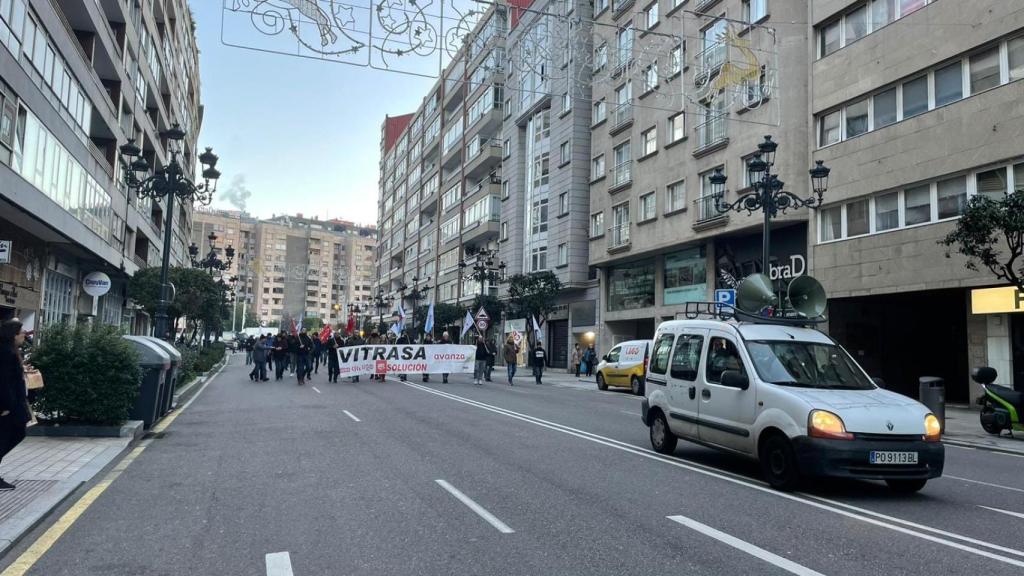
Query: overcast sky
[{"x": 301, "y": 135}]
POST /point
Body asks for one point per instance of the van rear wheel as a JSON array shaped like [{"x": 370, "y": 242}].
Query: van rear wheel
[
  {"x": 662, "y": 439},
  {"x": 601, "y": 384},
  {"x": 778, "y": 463},
  {"x": 635, "y": 386}
]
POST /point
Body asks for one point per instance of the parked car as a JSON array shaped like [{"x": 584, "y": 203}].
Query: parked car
[
  {"x": 789, "y": 397},
  {"x": 625, "y": 365}
]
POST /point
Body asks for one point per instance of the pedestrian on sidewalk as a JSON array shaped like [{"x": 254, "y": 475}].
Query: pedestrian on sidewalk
[
  {"x": 540, "y": 357},
  {"x": 589, "y": 359},
  {"x": 577, "y": 358},
  {"x": 280, "y": 355},
  {"x": 259, "y": 358},
  {"x": 480, "y": 368},
  {"x": 247, "y": 346},
  {"x": 14, "y": 414},
  {"x": 510, "y": 352},
  {"x": 445, "y": 339}
]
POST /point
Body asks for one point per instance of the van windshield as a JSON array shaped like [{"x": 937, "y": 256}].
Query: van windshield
[{"x": 807, "y": 365}]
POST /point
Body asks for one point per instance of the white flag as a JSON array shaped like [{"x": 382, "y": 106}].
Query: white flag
[
  {"x": 396, "y": 328},
  {"x": 536, "y": 330},
  {"x": 467, "y": 324}
]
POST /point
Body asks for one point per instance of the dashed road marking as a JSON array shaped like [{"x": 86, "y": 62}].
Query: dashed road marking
[
  {"x": 478, "y": 509},
  {"x": 744, "y": 546},
  {"x": 351, "y": 415},
  {"x": 279, "y": 564}
]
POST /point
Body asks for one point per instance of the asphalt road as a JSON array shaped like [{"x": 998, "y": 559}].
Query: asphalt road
[{"x": 452, "y": 479}]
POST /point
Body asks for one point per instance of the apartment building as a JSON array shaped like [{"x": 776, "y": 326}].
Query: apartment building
[
  {"x": 310, "y": 268},
  {"x": 234, "y": 228},
  {"x": 545, "y": 187},
  {"x": 78, "y": 78},
  {"x": 909, "y": 139},
  {"x": 680, "y": 90},
  {"x": 440, "y": 177}
]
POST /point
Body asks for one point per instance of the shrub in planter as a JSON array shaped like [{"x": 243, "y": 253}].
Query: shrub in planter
[
  {"x": 92, "y": 375},
  {"x": 188, "y": 365}
]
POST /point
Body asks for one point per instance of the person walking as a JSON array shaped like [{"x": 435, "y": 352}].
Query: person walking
[
  {"x": 540, "y": 357},
  {"x": 355, "y": 340},
  {"x": 293, "y": 352},
  {"x": 270, "y": 351},
  {"x": 577, "y": 357},
  {"x": 589, "y": 359},
  {"x": 247, "y": 346},
  {"x": 510, "y": 353},
  {"x": 305, "y": 349},
  {"x": 259, "y": 358},
  {"x": 280, "y": 354},
  {"x": 445, "y": 339},
  {"x": 403, "y": 339},
  {"x": 316, "y": 353},
  {"x": 480, "y": 368},
  {"x": 492, "y": 355},
  {"x": 334, "y": 342},
  {"x": 14, "y": 412},
  {"x": 428, "y": 339}
]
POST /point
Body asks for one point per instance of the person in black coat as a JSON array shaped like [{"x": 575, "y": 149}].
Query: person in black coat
[
  {"x": 293, "y": 352},
  {"x": 403, "y": 339},
  {"x": 280, "y": 354},
  {"x": 333, "y": 343},
  {"x": 305, "y": 366},
  {"x": 14, "y": 414}
]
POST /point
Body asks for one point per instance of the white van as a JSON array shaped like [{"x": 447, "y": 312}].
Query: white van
[
  {"x": 625, "y": 365},
  {"x": 789, "y": 397}
]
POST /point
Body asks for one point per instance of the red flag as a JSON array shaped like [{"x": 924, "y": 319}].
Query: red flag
[
  {"x": 325, "y": 334},
  {"x": 351, "y": 326},
  {"x": 295, "y": 328}
]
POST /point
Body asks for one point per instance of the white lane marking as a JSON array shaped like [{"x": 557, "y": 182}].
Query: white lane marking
[
  {"x": 1007, "y": 512},
  {"x": 630, "y": 412},
  {"x": 480, "y": 510},
  {"x": 351, "y": 415},
  {"x": 317, "y": 390},
  {"x": 279, "y": 564},
  {"x": 744, "y": 546},
  {"x": 864, "y": 515},
  {"x": 983, "y": 483}
]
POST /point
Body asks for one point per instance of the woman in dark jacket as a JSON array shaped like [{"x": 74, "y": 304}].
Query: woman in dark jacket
[{"x": 13, "y": 403}]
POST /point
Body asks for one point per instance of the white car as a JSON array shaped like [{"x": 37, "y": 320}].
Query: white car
[{"x": 789, "y": 397}]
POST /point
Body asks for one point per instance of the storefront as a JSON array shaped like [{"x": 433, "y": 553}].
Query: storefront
[
  {"x": 1002, "y": 309},
  {"x": 740, "y": 256}
]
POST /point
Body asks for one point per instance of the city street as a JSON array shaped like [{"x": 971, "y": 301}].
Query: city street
[{"x": 432, "y": 479}]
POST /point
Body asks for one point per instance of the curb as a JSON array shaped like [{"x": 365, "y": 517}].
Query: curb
[
  {"x": 986, "y": 447},
  {"x": 130, "y": 429},
  {"x": 186, "y": 390}
]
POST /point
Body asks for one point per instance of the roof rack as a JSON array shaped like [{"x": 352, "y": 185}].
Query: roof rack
[{"x": 717, "y": 311}]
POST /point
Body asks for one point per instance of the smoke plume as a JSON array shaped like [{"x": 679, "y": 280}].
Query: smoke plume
[{"x": 237, "y": 194}]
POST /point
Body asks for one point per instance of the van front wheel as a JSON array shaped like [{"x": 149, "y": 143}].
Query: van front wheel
[
  {"x": 636, "y": 387},
  {"x": 662, "y": 439},
  {"x": 601, "y": 384},
  {"x": 778, "y": 463}
]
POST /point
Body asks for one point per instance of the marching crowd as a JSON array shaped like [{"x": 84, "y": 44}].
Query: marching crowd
[{"x": 302, "y": 355}]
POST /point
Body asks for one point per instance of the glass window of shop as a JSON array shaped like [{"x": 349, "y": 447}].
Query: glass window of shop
[
  {"x": 686, "y": 276},
  {"x": 631, "y": 286}
]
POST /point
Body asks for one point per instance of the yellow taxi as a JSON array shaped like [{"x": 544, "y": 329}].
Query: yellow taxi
[{"x": 625, "y": 366}]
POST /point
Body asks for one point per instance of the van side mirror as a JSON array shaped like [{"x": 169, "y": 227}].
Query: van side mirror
[
  {"x": 605, "y": 358},
  {"x": 878, "y": 382},
  {"x": 735, "y": 379}
]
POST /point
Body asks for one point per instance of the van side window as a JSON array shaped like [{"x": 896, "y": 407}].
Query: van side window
[
  {"x": 722, "y": 356},
  {"x": 613, "y": 356},
  {"x": 686, "y": 357},
  {"x": 659, "y": 360}
]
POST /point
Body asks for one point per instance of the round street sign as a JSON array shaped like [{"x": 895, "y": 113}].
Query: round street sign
[
  {"x": 96, "y": 284},
  {"x": 481, "y": 325}
]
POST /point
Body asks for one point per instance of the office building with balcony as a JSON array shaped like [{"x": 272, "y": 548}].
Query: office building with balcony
[
  {"x": 440, "y": 175},
  {"x": 681, "y": 89},
  {"x": 545, "y": 177},
  {"x": 235, "y": 228},
  {"x": 910, "y": 138},
  {"x": 78, "y": 78}
]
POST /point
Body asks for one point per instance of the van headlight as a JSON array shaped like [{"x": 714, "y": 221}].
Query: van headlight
[
  {"x": 932, "y": 428},
  {"x": 824, "y": 424}
]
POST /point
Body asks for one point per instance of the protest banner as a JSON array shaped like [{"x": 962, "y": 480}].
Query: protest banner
[{"x": 405, "y": 359}]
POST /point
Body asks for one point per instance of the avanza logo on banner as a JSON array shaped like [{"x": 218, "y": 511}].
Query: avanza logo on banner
[{"x": 405, "y": 359}]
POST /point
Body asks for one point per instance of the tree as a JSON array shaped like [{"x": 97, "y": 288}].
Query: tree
[
  {"x": 313, "y": 323},
  {"x": 533, "y": 294},
  {"x": 445, "y": 316},
  {"x": 197, "y": 296},
  {"x": 991, "y": 233}
]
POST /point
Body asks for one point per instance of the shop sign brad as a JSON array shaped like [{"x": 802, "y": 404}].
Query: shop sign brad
[
  {"x": 738, "y": 258},
  {"x": 96, "y": 284}
]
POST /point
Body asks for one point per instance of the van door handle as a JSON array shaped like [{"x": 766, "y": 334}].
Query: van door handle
[
  {"x": 705, "y": 393},
  {"x": 693, "y": 392}
]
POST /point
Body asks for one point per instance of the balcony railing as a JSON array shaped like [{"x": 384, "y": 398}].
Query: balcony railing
[
  {"x": 710, "y": 60},
  {"x": 621, "y": 114},
  {"x": 622, "y": 174},
  {"x": 711, "y": 131},
  {"x": 706, "y": 208},
  {"x": 618, "y": 236}
]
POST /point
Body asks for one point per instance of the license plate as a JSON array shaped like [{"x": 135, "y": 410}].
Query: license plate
[{"x": 880, "y": 457}]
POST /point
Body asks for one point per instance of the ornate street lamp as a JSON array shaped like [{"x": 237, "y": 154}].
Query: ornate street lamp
[
  {"x": 484, "y": 269},
  {"x": 382, "y": 303},
  {"x": 211, "y": 261},
  {"x": 768, "y": 195},
  {"x": 168, "y": 182},
  {"x": 418, "y": 292}
]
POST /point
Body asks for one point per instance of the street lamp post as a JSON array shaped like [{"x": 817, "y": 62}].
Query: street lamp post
[
  {"x": 168, "y": 182},
  {"x": 211, "y": 262},
  {"x": 768, "y": 195},
  {"x": 382, "y": 303},
  {"x": 484, "y": 269},
  {"x": 418, "y": 292}
]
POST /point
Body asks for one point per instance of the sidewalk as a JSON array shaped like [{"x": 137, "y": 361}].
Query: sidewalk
[
  {"x": 45, "y": 471},
  {"x": 963, "y": 427}
]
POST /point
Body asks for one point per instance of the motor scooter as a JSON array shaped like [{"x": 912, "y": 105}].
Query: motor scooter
[{"x": 1001, "y": 407}]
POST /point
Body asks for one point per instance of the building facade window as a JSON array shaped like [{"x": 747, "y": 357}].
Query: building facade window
[
  {"x": 685, "y": 276},
  {"x": 623, "y": 169},
  {"x": 563, "y": 254},
  {"x": 861, "y": 20},
  {"x": 600, "y": 112},
  {"x": 539, "y": 259},
  {"x": 754, "y": 10},
  {"x": 651, "y": 16},
  {"x": 564, "y": 153},
  {"x": 676, "y": 127},
  {"x": 631, "y": 286},
  {"x": 648, "y": 207},
  {"x": 597, "y": 225},
  {"x": 675, "y": 196},
  {"x": 563, "y": 203},
  {"x": 597, "y": 167},
  {"x": 504, "y": 230},
  {"x": 649, "y": 141}
]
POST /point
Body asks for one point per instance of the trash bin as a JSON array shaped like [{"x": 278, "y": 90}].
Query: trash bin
[
  {"x": 155, "y": 364},
  {"x": 171, "y": 381},
  {"x": 932, "y": 393}
]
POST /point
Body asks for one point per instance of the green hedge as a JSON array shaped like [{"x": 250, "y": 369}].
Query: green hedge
[
  {"x": 197, "y": 361},
  {"x": 91, "y": 373}
]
